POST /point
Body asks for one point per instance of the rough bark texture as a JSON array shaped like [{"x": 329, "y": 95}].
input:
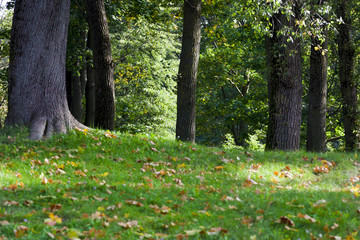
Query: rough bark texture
[
  {"x": 103, "y": 65},
  {"x": 316, "y": 121},
  {"x": 37, "y": 95},
  {"x": 186, "y": 82},
  {"x": 346, "y": 73},
  {"x": 284, "y": 87}
]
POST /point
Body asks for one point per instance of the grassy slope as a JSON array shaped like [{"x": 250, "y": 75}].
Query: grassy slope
[{"x": 93, "y": 185}]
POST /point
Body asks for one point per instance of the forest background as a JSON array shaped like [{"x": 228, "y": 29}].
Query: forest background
[{"x": 232, "y": 94}]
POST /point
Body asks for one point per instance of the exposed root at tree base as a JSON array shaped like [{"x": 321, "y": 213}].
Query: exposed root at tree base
[{"x": 45, "y": 127}]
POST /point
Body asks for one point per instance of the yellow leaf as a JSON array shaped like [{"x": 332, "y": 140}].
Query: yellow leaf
[
  {"x": 104, "y": 174},
  {"x": 181, "y": 165},
  {"x": 218, "y": 168}
]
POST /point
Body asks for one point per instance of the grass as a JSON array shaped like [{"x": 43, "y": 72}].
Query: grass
[{"x": 101, "y": 185}]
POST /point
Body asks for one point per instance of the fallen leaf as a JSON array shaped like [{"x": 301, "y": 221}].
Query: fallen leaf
[
  {"x": 285, "y": 220},
  {"x": 218, "y": 168},
  {"x": 154, "y": 149},
  {"x": 3, "y": 223},
  {"x": 334, "y": 226},
  {"x": 52, "y": 220},
  {"x": 21, "y": 231},
  {"x": 100, "y": 199},
  {"x": 291, "y": 229},
  {"x": 178, "y": 181},
  {"x": 335, "y": 237},
  {"x": 28, "y": 203},
  {"x": 10, "y": 203},
  {"x": 192, "y": 232},
  {"x": 307, "y": 217},
  {"x": 217, "y": 230},
  {"x": 129, "y": 224},
  {"x": 96, "y": 215},
  {"x": 247, "y": 221},
  {"x": 135, "y": 203},
  {"x": 55, "y": 207}
]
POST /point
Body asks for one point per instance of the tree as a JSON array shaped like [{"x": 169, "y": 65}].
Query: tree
[
  {"x": 186, "y": 81},
  {"x": 231, "y": 91},
  {"x": 37, "y": 95},
  {"x": 284, "y": 81},
  {"x": 316, "y": 121},
  {"x": 76, "y": 58},
  {"x": 346, "y": 73},
  {"x": 90, "y": 91},
  {"x": 103, "y": 65}
]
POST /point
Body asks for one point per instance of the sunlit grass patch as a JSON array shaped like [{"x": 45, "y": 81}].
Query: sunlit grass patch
[{"x": 107, "y": 185}]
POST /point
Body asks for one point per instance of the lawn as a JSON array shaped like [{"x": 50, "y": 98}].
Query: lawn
[{"x": 108, "y": 185}]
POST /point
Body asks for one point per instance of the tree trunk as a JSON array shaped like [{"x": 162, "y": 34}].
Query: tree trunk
[
  {"x": 76, "y": 97},
  {"x": 346, "y": 72},
  {"x": 284, "y": 86},
  {"x": 316, "y": 121},
  {"x": 37, "y": 94},
  {"x": 90, "y": 90},
  {"x": 103, "y": 65},
  {"x": 186, "y": 82}
]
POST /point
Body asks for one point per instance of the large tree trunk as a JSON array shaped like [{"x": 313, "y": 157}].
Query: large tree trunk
[
  {"x": 186, "y": 82},
  {"x": 346, "y": 72},
  {"x": 284, "y": 86},
  {"x": 103, "y": 65},
  {"x": 316, "y": 121},
  {"x": 37, "y": 95}
]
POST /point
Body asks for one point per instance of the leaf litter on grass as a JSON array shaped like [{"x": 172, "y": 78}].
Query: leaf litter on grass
[{"x": 105, "y": 185}]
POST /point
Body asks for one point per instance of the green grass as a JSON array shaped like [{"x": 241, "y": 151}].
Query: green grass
[{"x": 93, "y": 185}]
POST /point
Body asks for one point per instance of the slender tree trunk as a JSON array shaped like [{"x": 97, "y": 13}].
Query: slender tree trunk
[
  {"x": 316, "y": 121},
  {"x": 83, "y": 70},
  {"x": 76, "y": 97},
  {"x": 90, "y": 94},
  {"x": 186, "y": 82},
  {"x": 103, "y": 65},
  {"x": 284, "y": 86},
  {"x": 37, "y": 94},
  {"x": 346, "y": 72}
]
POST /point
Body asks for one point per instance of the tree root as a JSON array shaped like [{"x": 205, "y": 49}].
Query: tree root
[{"x": 42, "y": 127}]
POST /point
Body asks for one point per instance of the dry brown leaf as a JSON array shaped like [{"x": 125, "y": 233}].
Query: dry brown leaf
[
  {"x": 129, "y": 224},
  {"x": 135, "y": 203},
  {"x": 3, "y": 223},
  {"x": 307, "y": 217},
  {"x": 285, "y": 220},
  {"x": 10, "y": 203},
  {"x": 291, "y": 229},
  {"x": 100, "y": 199}
]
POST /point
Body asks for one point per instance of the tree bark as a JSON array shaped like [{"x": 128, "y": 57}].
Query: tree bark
[
  {"x": 90, "y": 89},
  {"x": 346, "y": 73},
  {"x": 37, "y": 94},
  {"x": 103, "y": 65},
  {"x": 284, "y": 85},
  {"x": 316, "y": 120},
  {"x": 186, "y": 82},
  {"x": 76, "y": 108}
]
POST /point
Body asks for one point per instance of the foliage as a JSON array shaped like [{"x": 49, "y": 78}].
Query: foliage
[
  {"x": 77, "y": 36},
  {"x": 231, "y": 87},
  {"x": 110, "y": 185},
  {"x": 146, "y": 58},
  {"x": 5, "y": 30}
]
